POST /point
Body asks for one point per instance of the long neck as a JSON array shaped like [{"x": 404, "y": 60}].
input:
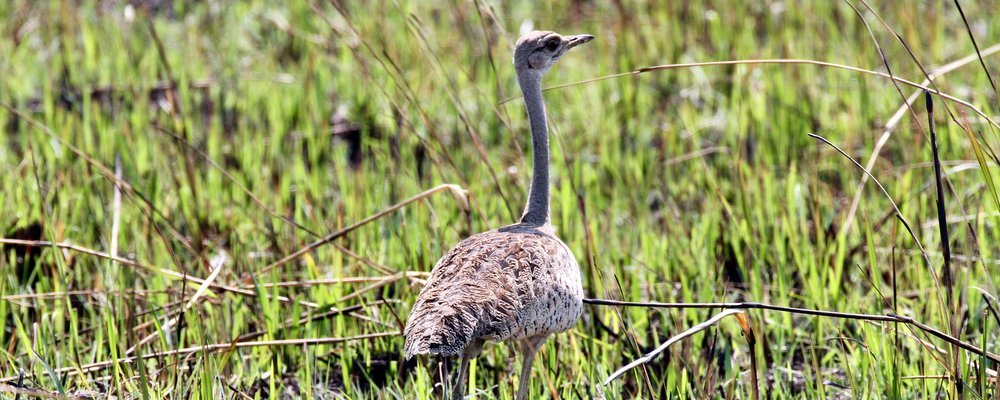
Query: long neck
[{"x": 537, "y": 210}]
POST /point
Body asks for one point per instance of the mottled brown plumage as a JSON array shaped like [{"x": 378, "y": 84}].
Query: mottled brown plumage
[
  {"x": 519, "y": 282},
  {"x": 513, "y": 283}
]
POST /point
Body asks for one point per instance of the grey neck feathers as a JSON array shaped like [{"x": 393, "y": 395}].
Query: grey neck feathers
[{"x": 537, "y": 210}]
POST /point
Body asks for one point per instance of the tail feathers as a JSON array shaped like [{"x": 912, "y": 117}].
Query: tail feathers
[{"x": 438, "y": 329}]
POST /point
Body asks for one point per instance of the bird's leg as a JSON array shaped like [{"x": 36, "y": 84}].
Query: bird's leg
[
  {"x": 471, "y": 351},
  {"x": 529, "y": 347},
  {"x": 443, "y": 375},
  {"x": 463, "y": 369}
]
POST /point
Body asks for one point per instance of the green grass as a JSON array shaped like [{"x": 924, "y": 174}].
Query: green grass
[{"x": 258, "y": 83}]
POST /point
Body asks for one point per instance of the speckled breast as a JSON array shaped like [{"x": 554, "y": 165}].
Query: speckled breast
[{"x": 552, "y": 296}]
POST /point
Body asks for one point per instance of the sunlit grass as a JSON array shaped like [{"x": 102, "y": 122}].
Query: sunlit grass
[{"x": 688, "y": 185}]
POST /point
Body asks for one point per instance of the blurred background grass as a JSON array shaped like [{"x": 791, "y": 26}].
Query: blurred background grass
[{"x": 234, "y": 121}]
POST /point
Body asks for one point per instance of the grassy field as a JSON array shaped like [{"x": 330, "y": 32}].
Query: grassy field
[{"x": 160, "y": 161}]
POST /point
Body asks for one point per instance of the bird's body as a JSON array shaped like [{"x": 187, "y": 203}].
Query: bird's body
[
  {"x": 512, "y": 283},
  {"x": 519, "y": 282}
]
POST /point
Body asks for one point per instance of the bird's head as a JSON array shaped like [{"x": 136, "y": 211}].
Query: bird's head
[{"x": 539, "y": 50}]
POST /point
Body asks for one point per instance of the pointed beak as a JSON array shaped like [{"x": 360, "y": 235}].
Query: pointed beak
[{"x": 577, "y": 40}]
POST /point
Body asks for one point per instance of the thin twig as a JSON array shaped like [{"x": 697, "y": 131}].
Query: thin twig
[
  {"x": 176, "y": 113},
  {"x": 212, "y": 348},
  {"x": 63, "y": 295},
  {"x": 309, "y": 317},
  {"x": 804, "y": 311},
  {"x": 899, "y": 214},
  {"x": 168, "y": 272},
  {"x": 335, "y": 281},
  {"x": 216, "y": 263},
  {"x": 791, "y": 61},
  {"x": 663, "y": 347},
  {"x": 897, "y": 118},
  {"x": 907, "y": 105},
  {"x": 910, "y": 52},
  {"x": 126, "y": 187},
  {"x": 455, "y": 189},
  {"x": 376, "y": 285},
  {"x": 396, "y": 77},
  {"x": 19, "y": 390},
  {"x": 979, "y": 54},
  {"x": 253, "y": 197},
  {"x": 445, "y": 75}
]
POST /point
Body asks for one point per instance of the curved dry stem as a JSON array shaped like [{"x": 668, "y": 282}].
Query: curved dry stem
[
  {"x": 676, "y": 338},
  {"x": 457, "y": 190},
  {"x": 211, "y": 348},
  {"x": 897, "y": 117},
  {"x": 779, "y": 61},
  {"x": 803, "y": 311},
  {"x": 899, "y": 214},
  {"x": 152, "y": 268}
]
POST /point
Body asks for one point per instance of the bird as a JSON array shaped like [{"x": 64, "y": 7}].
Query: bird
[{"x": 519, "y": 282}]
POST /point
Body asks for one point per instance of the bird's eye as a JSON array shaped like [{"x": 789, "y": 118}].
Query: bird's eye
[{"x": 552, "y": 44}]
